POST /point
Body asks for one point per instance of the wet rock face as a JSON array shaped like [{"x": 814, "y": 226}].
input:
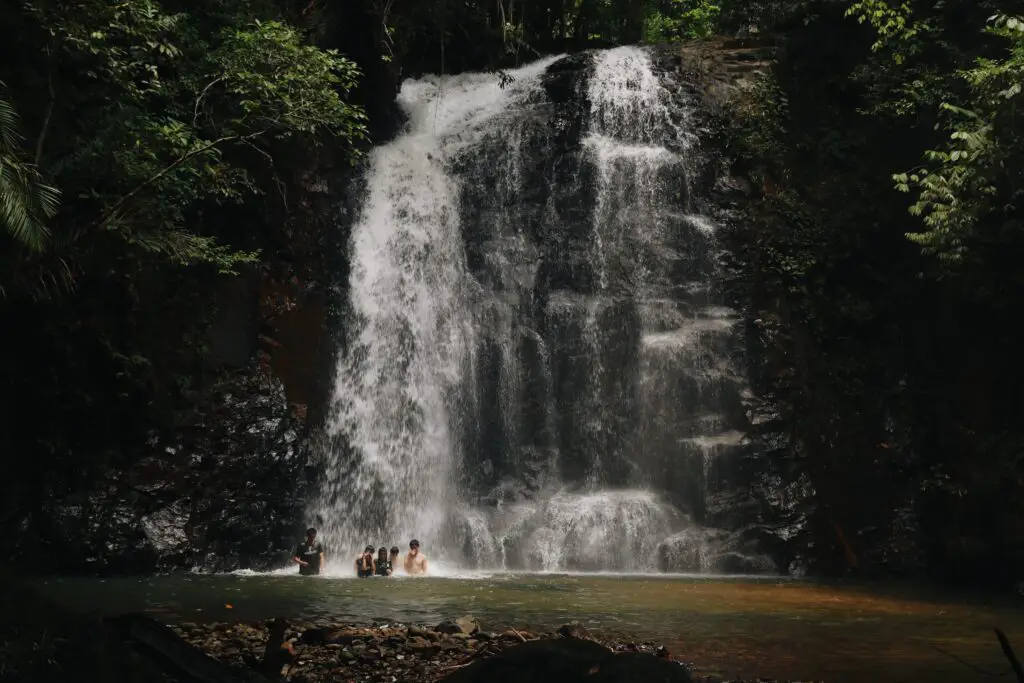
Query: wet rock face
[
  {"x": 609, "y": 346},
  {"x": 226, "y": 491}
]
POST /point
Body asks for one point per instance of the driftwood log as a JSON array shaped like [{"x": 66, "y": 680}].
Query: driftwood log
[{"x": 178, "y": 659}]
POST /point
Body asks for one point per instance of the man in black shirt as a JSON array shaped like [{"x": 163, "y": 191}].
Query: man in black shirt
[{"x": 309, "y": 555}]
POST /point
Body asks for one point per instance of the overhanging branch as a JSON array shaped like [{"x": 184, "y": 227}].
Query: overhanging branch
[{"x": 120, "y": 203}]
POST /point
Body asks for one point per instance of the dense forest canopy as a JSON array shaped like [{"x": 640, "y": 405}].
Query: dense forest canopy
[{"x": 151, "y": 150}]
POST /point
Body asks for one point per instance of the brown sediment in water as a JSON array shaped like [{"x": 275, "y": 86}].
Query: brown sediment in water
[
  {"x": 803, "y": 598},
  {"x": 823, "y": 632}
]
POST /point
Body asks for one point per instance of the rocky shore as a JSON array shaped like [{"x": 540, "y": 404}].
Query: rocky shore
[{"x": 455, "y": 650}]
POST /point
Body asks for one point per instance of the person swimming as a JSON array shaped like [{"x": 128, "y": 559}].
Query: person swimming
[
  {"x": 383, "y": 566},
  {"x": 365, "y": 564},
  {"x": 393, "y": 559}
]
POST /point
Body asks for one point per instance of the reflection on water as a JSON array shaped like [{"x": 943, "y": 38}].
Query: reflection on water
[{"x": 745, "y": 627}]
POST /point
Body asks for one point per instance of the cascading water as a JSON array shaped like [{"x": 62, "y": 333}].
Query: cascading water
[
  {"x": 400, "y": 389},
  {"x": 537, "y": 373}
]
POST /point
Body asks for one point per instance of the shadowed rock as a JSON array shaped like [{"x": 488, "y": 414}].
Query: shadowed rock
[
  {"x": 569, "y": 660},
  {"x": 635, "y": 666}
]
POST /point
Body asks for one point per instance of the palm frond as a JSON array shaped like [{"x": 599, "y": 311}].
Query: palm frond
[
  {"x": 10, "y": 138},
  {"x": 26, "y": 203},
  {"x": 41, "y": 278}
]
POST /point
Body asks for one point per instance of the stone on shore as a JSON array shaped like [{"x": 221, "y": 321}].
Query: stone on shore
[
  {"x": 453, "y": 651},
  {"x": 465, "y": 625},
  {"x": 574, "y": 629}
]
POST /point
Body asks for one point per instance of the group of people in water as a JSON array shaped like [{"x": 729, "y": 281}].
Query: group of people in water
[
  {"x": 385, "y": 564},
  {"x": 309, "y": 555}
]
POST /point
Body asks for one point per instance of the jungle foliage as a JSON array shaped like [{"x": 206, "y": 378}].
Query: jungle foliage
[
  {"x": 888, "y": 146},
  {"x": 149, "y": 152}
]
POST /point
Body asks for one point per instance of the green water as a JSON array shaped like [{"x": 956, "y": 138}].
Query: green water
[{"x": 738, "y": 627}]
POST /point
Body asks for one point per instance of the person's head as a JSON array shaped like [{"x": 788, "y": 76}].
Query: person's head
[
  {"x": 382, "y": 553},
  {"x": 368, "y": 550},
  {"x": 310, "y": 534},
  {"x": 394, "y": 551},
  {"x": 414, "y": 547}
]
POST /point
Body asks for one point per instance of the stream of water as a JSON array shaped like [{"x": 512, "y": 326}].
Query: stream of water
[
  {"x": 736, "y": 626},
  {"x": 539, "y": 370}
]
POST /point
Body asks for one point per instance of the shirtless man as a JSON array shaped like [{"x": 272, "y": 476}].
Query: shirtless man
[{"x": 415, "y": 561}]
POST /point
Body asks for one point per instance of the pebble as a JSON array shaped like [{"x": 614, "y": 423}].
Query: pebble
[{"x": 380, "y": 653}]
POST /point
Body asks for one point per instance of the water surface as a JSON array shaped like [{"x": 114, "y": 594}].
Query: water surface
[{"x": 777, "y": 628}]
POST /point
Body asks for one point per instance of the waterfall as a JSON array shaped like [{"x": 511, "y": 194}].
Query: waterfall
[{"x": 536, "y": 372}]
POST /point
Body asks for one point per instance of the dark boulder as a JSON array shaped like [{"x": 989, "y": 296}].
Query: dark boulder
[
  {"x": 569, "y": 660},
  {"x": 566, "y": 660},
  {"x": 635, "y": 666}
]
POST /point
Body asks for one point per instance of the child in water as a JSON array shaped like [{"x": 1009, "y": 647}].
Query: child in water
[
  {"x": 365, "y": 566},
  {"x": 383, "y": 567}
]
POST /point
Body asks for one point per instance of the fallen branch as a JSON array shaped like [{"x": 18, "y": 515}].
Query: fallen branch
[
  {"x": 1004, "y": 643},
  {"x": 175, "y": 656},
  {"x": 970, "y": 666},
  {"x": 521, "y": 636},
  {"x": 274, "y": 654}
]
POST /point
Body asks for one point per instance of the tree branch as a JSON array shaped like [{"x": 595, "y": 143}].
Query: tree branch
[
  {"x": 270, "y": 162},
  {"x": 116, "y": 208},
  {"x": 202, "y": 94},
  {"x": 49, "y": 112},
  {"x": 384, "y": 10}
]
